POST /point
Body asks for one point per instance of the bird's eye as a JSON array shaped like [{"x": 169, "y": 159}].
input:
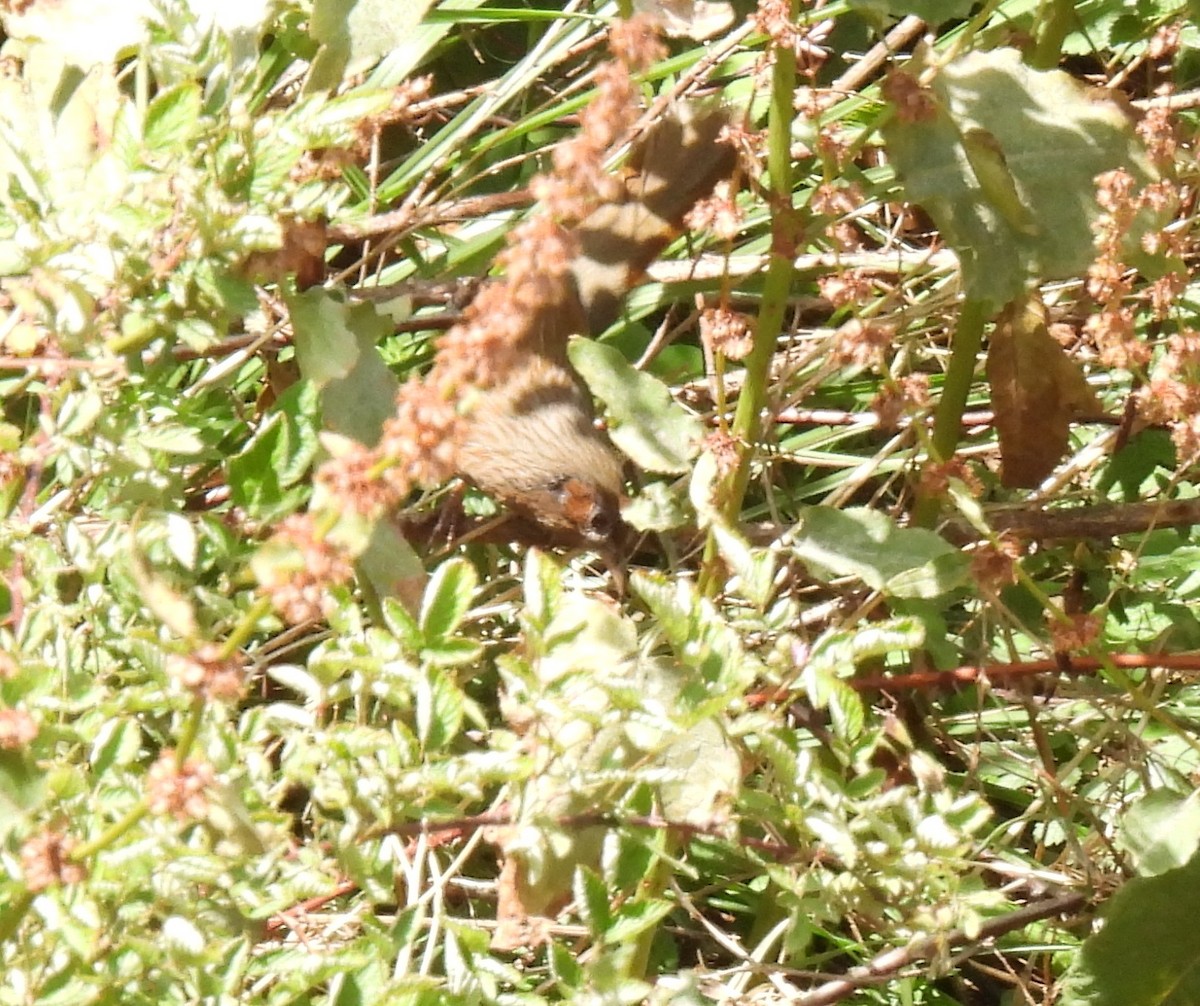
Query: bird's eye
[{"x": 599, "y": 524}]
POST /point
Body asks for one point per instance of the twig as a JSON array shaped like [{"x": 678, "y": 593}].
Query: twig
[
  {"x": 411, "y": 217},
  {"x": 56, "y": 366},
  {"x": 597, "y": 819},
  {"x": 713, "y": 266},
  {"x": 1102, "y": 520},
  {"x": 1174, "y": 102},
  {"x": 970, "y": 673},
  {"x": 865, "y": 68},
  {"x": 889, "y": 962},
  {"x": 290, "y": 917},
  {"x": 870, "y": 420}
]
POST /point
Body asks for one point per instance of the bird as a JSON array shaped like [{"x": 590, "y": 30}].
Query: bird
[{"x": 532, "y": 442}]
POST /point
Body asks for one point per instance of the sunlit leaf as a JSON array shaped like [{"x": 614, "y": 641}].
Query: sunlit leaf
[
  {"x": 652, "y": 429},
  {"x": 1006, "y": 165},
  {"x": 173, "y": 116},
  {"x": 354, "y": 36},
  {"x": 1147, "y": 951},
  {"x": 932, "y": 11},
  {"x": 447, "y": 599},
  {"x": 698, "y": 19},
  {"x": 1161, "y": 831},
  {"x": 906, "y": 562},
  {"x": 86, "y": 32},
  {"x": 336, "y": 345}
]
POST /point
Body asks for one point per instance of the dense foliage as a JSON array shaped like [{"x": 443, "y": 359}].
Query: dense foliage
[{"x": 894, "y": 703}]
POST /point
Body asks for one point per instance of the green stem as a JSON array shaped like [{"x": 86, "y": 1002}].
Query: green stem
[
  {"x": 10, "y": 920},
  {"x": 960, "y": 375},
  {"x": 237, "y": 639},
  {"x": 653, "y": 886},
  {"x": 191, "y": 727},
  {"x": 747, "y": 420},
  {"x": 1057, "y": 20},
  {"x": 964, "y": 39},
  {"x": 110, "y": 834}
]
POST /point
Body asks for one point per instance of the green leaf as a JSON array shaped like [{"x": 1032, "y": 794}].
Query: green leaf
[
  {"x": 1162, "y": 831},
  {"x": 336, "y": 347},
  {"x": 841, "y": 649},
  {"x": 655, "y": 508},
  {"x": 353, "y": 36},
  {"x": 705, "y": 772},
  {"x": 651, "y": 428},
  {"x": 753, "y": 567},
  {"x": 453, "y": 652},
  {"x": 265, "y": 477},
  {"x": 84, "y": 32},
  {"x": 117, "y": 744},
  {"x": 903, "y": 562},
  {"x": 542, "y": 580},
  {"x": 403, "y": 626},
  {"x": 1146, "y": 953},
  {"x": 439, "y": 709},
  {"x": 447, "y": 599},
  {"x": 22, "y": 786},
  {"x": 170, "y": 438},
  {"x": 933, "y": 12},
  {"x": 299, "y": 681},
  {"x": 635, "y": 918},
  {"x": 565, "y": 967},
  {"x": 591, "y": 895},
  {"x": 173, "y": 117},
  {"x": 699, "y": 636},
  {"x": 391, "y": 566},
  {"x": 1006, "y": 166},
  {"x": 326, "y": 346}
]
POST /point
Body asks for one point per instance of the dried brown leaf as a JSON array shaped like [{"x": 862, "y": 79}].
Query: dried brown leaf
[{"x": 1037, "y": 390}]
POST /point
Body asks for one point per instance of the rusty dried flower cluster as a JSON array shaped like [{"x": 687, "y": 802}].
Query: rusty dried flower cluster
[
  {"x": 1075, "y": 632},
  {"x": 846, "y": 288},
  {"x": 899, "y": 398},
  {"x": 208, "y": 673},
  {"x": 839, "y": 202},
  {"x": 934, "y": 481},
  {"x": 46, "y": 861},
  {"x": 179, "y": 790},
  {"x": 420, "y": 443},
  {"x": 1110, "y": 281},
  {"x": 1156, "y": 128},
  {"x": 299, "y": 590},
  {"x": 774, "y": 19},
  {"x": 719, "y": 214},
  {"x": 1171, "y": 396},
  {"x": 352, "y": 477},
  {"x": 859, "y": 343},
  {"x": 726, "y": 332},
  {"x": 911, "y": 101},
  {"x": 17, "y": 729},
  {"x": 994, "y": 565}
]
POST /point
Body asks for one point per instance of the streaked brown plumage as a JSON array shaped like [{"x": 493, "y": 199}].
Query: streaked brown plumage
[{"x": 532, "y": 442}]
